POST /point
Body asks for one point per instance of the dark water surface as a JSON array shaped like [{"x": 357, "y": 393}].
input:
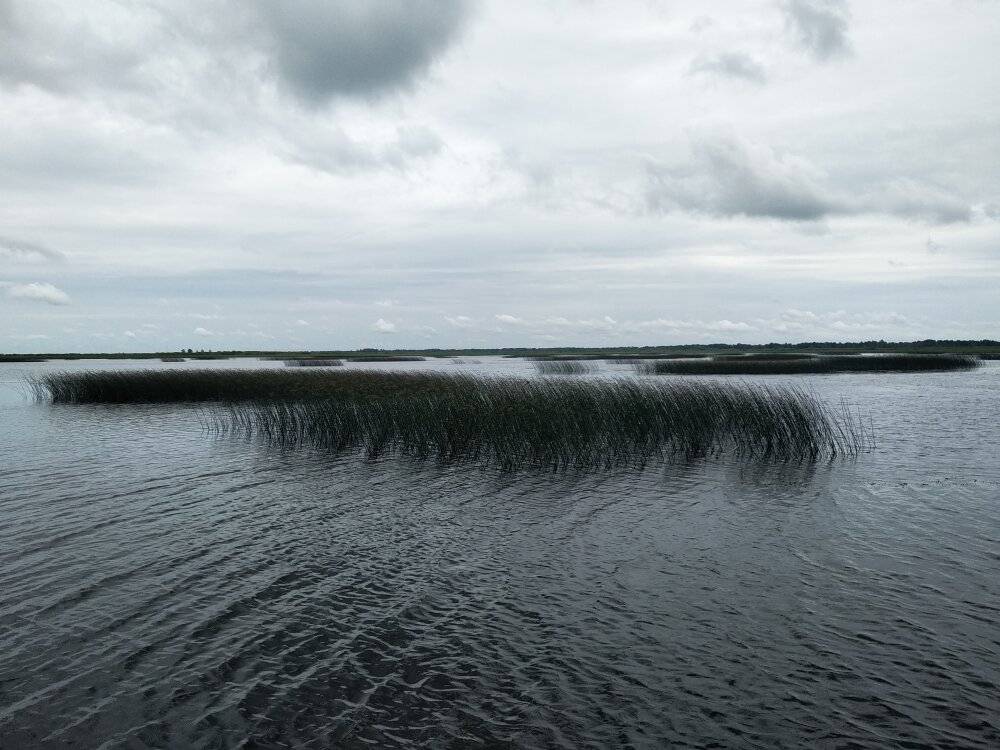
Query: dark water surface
[{"x": 163, "y": 588}]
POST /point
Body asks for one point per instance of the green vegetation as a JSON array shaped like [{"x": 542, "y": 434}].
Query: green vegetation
[
  {"x": 314, "y": 362},
  {"x": 807, "y": 364},
  {"x": 386, "y": 358},
  {"x": 173, "y": 359},
  {"x": 505, "y": 422},
  {"x": 14, "y": 358},
  {"x": 562, "y": 367}
]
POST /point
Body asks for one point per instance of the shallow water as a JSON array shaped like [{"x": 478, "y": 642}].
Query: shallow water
[{"x": 161, "y": 587}]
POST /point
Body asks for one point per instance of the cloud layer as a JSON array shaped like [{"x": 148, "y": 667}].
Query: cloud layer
[{"x": 325, "y": 174}]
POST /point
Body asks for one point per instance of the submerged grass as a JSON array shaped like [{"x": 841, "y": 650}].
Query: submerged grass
[
  {"x": 802, "y": 365},
  {"x": 507, "y": 422}
]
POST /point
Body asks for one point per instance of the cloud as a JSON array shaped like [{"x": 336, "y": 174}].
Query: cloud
[
  {"x": 689, "y": 325},
  {"x": 302, "y": 322},
  {"x": 315, "y": 50},
  {"x": 322, "y": 49},
  {"x": 935, "y": 248},
  {"x": 808, "y": 325},
  {"x": 460, "y": 321},
  {"x": 16, "y": 249},
  {"x": 731, "y": 65},
  {"x": 129, "y": 334},
  {"x": 820, "y": 25},
  {"x": 728, "y": 176},
  {"x": 732, "y": 177},
  {"x": 509, "y": 319},
  {"x": 39, "y": 292},
  {"x": 199, "y": 331},
  {"x": 384, "y": 326},
  {"x": 905, "y": 197}
]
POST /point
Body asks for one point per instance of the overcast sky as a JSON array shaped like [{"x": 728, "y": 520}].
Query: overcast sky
[{"x": 413, "y": 173}]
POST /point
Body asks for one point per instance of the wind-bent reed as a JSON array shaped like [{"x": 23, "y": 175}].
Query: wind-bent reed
[
  {"x": 562, "y": 367},
  {"x": 804, "y": 365},
  {"x": 314, "y": 362},
  {"x": 502, "y": 421}
]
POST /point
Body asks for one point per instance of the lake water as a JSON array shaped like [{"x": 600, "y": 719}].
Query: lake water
[{"x": 161, "y": 587}]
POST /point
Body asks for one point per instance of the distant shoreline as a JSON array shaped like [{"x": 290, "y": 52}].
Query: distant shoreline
[{"x": 985, "y": 348}]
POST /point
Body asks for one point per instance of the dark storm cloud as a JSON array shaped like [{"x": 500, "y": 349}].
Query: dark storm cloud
[
  {"x": 731, "y": 65},
  {"x": 322, "y": 48},
  {"x": 820, "y": 25},
  {"x": 16, "y": 249}
]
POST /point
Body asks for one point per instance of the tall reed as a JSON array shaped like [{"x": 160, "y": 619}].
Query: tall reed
[
  {"x": 804, "y": 365},
  {"x": 562, "y": 367},
  {"x": 512, "y": 423},
  {"x": 500, "y": 421},
  {"x": 304, "y": 362}
]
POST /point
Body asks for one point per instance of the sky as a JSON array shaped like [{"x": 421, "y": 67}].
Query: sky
[{"x": 338, "y": 174}]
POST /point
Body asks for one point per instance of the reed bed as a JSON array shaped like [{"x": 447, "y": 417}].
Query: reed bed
[
  {"x": 507, "y": 422},
  {"x": 389, "y": 358},
  {"x": 562, "y": 367},
  {"x": 812, "y": 365},
  {"x": 314, "y": 362},
  {"x": 513, "y": 423},
  {"x": 766, "y": 356},
  {"x": 21, "y": 358},
  {"x": 176, "y": 385}
]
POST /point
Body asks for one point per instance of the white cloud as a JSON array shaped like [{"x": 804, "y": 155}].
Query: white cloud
[
  {"x": 384, "y": 326},
  {"x": 39, "y": 292},
  {"x": 199, "y": 331},
  {"x": 509, "y": 319}
]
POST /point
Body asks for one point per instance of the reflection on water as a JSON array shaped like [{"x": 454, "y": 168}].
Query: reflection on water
[{"x": 160, "y": 587}]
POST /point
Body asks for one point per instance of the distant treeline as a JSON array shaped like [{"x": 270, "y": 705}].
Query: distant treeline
[{"x": 986, "y": 348}]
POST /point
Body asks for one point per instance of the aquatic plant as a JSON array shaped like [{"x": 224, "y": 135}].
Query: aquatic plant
[
  {"x": 562, "y": 367},
  {"x": 770, "y": 365},
  {"x": 386, "y": 358},
  {"x": 758, "y": 356},
  {"x": 22, "y": 358},
  {"x": 506, "y": 422},
  {"x": 303, "y": 362},
  {"x": 174, "y": 385},
  {"x": 511, "y": 423}
]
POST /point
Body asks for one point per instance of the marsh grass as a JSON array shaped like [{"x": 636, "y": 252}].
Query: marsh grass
[
  {"x": 766, "y": 356},
  {"x": 504, "y": 422},
  {"x": 563, "y": 367},
  {"x": 303, "y": 362},
  {"x": 804, "y": 365},
  {"x": 387, "y": 358}
]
